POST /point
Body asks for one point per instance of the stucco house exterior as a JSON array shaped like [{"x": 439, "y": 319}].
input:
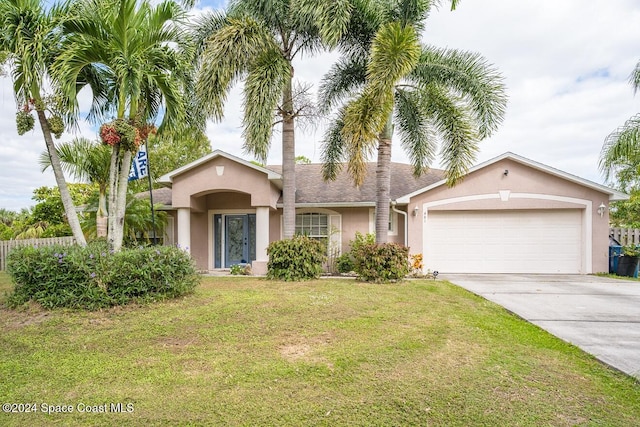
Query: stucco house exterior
[{"x": 509, "y": 214}]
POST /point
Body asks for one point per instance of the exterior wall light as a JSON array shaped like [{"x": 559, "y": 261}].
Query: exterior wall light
[
  {"x": 601, "y": 209},
  {"x": 416, "y": 210}
]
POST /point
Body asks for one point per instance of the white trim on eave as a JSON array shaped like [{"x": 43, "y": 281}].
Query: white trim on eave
[
  {"x": 614, "y": 195},
  {"x": 168, "y": 177}
]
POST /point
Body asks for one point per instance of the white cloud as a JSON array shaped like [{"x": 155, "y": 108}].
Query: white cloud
[{"x": 566, "y": 65}]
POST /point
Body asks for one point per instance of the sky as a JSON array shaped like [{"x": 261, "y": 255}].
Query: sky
[{"x": 566, "y": 66}]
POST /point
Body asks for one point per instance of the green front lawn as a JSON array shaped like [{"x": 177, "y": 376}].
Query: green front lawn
[{"x": 246, "y": 351}]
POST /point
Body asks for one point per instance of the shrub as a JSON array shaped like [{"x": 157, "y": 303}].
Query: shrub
[
  {"x": 91, "y": 277},
  {"x": 381, "y": 263},
  {"x": 344, "y": 263},
  {"x": 298, "y": 258}
]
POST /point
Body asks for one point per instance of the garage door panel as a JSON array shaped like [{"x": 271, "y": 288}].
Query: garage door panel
[{"x": 541, "y": 241}]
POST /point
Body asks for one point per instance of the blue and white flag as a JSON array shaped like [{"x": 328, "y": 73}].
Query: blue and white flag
[{"x": 139, "y": 166}]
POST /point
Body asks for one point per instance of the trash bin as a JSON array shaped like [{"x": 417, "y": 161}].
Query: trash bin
[{"x": 614, "y": 255}]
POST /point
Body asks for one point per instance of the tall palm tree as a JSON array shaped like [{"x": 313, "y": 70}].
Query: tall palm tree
[
  {"x": 257, "y": 41},
  {"x": 620, "y": 155},
  {"x": 29, "y": 37},
  {"x": 138, "y": 52},
  {"x": 387, "y": 79},
  {"x": 87, "y": 160}
]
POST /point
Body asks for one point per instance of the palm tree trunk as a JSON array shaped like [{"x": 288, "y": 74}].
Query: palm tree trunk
[
  {"x": 121, "y": 202},
  {"x": 383, "y": 183},
  {"x": 118, "y": 177},
  {"x": 101, "y": 214},
  {"x": 288, "y": 164},
  {"x": 67, "y": 201}
]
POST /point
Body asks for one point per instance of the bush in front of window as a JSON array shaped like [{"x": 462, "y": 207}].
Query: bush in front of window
[
  {"x": 298, "y": 258},
  {"x": 381, "y": 263},
  {"x": 346, "y": 262}
]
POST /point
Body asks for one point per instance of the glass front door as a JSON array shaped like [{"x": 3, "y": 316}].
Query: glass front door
[{"x": 239, "y": 244}]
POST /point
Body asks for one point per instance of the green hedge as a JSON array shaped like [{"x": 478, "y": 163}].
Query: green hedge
[
  {"x": 298, "y": 258},
  {"x": 381, "y": 263},
  {"x": 91, "y": 277}
]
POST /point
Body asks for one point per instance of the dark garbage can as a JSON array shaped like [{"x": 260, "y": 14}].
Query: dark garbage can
[
  {"x": 614, "y": 255},
  {"x": 628, "y": 266}
]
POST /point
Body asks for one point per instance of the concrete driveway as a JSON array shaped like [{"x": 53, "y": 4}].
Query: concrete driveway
[{"x": 600, "y": 315}]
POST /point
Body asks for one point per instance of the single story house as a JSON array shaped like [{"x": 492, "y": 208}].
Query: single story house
[{"x": 509, "y": 214}]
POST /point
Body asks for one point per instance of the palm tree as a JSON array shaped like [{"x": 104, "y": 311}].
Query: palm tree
[
  {"x": 137, "y": 222},
  {"x": 29, "y": 37},
  {"x": 87, "y": 160},
  {"x": 138, "y": 54},
  {"x": 388, "y": 79},
  {"x": 620, "y": 155},
  {"x": 257, "y": 41}
]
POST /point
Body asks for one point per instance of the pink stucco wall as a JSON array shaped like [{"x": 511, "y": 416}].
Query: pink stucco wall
[
  {"x": 204, "y": 179},
  {"x": 520, "y": 179}
]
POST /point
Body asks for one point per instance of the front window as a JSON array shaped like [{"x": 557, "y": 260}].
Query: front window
[{"x": 314, "y": 225}]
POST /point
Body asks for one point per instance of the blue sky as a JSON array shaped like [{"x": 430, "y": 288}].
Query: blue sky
[{"x": 566, "y": 66}]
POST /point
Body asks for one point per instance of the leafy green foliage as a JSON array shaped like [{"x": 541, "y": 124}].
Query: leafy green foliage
[
  {"x": 91, "y": 277},
  {"x": 626, "y": 213},
  {"x": 346, "y": 262},
  {"x": 298, "y": 258},
  {"x": 46, "y": 218},
  {"x": 381, "y": 263},
  {"x": 138, "y": 224}
]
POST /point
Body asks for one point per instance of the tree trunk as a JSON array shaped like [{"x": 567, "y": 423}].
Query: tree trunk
[
  {"x": 383, "y": 183},
  {"x": 67, "y": 201},
  {"x": 288, "y": 164},
  {"x": 118, "y": 178},
  {"x": 101, "y": 214}
]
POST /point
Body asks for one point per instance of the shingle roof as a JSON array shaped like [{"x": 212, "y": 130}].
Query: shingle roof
[
  {"x": 160, "y": 196},
  {"x": 312, "y": 189}
]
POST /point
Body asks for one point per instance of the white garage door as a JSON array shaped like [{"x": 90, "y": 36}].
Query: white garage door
[{"x": 535, "y": 241}]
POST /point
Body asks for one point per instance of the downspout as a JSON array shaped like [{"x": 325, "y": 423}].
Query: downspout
[{"x": 406, "y": 220}]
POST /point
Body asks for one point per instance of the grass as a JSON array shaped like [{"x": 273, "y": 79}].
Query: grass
[{"x": 245, "y": 351}]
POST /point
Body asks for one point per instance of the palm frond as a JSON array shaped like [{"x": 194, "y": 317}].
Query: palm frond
[
  {"x": 263, "y": 89},
  {"x": 459, "y": 145},
  {"x": 203, "y": 27},
  {"x": 621, "y": 149},
  {"x": 226, "y": 58},
  {"x": 416, "y": 133},
  {"x": 468, "y": 75},
  {"x": 333, "y": 149},
  {"x": 364, "y": 119},
  {"x": 634, "y": 79},
  {"x": 328, "y": 18},
  {"x": 345, "y": 77},
  {"x": 410, "y": 12},
  {"x": 394, "y": 54}
]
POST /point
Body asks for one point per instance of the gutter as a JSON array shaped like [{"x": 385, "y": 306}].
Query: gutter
[{"x": 406, "y": 220}]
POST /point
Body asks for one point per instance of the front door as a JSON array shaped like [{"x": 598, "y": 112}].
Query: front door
[
  {"x": 239, "y": 244},
  {"x": 237, "y": 240}
]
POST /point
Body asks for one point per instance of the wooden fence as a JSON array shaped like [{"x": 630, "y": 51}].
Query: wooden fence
[
  {"x": 626, "y": 236},
  {"x": 7, "y": 245}
]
